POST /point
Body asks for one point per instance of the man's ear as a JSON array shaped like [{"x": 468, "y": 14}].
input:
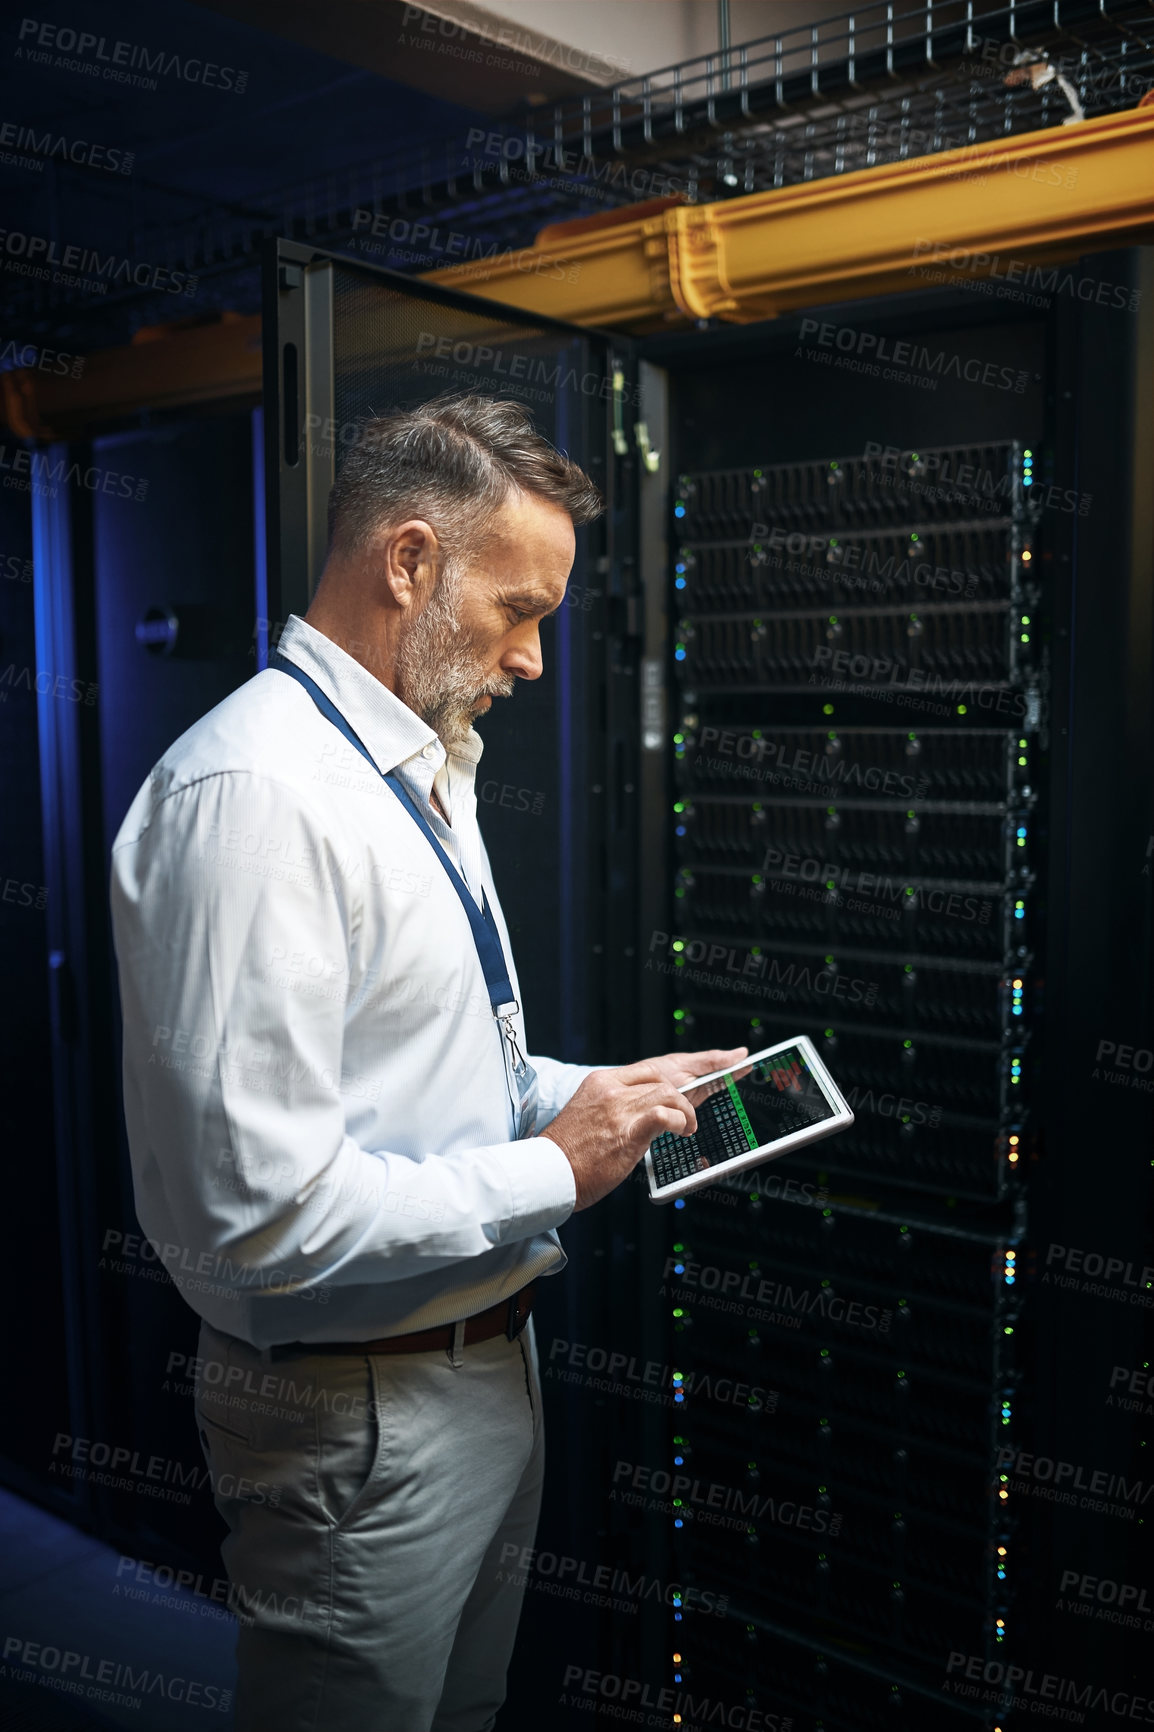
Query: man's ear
[{"x": 408, "y": 555}]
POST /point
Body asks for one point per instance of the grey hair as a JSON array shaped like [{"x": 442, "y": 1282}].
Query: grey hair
[{"x": 453, "y": 461}]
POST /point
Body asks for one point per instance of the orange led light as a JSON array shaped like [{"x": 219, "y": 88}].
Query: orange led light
[
  {"x": 1017, "y": 983},
  {"x": 677, "y": 1659}
]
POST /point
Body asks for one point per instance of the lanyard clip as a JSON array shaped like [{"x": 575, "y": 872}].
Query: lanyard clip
[{"x": 505, "y": 1014}]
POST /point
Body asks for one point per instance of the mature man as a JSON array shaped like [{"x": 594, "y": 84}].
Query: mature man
[{"x": 328, "y": 1098}]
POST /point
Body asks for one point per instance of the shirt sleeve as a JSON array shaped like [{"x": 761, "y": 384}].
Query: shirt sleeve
[
  {"x": 233, "y": 1083},
  {"x": 557, "y": 1083}
]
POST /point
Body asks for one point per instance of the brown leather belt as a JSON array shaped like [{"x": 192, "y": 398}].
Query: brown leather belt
[{"x": 508, "y": 1317}]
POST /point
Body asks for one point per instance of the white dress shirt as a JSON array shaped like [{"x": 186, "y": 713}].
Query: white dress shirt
[{"x": 320, "y": 1109}]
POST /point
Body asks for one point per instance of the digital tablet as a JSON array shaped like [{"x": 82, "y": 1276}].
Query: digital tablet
[{"x": 775, "y": 1100}]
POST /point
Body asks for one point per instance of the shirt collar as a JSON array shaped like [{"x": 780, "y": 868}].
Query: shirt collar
[{"x": 389, "y": 729}]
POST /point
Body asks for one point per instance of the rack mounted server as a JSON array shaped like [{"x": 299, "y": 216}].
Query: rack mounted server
[{"x": 861, "y": 715}]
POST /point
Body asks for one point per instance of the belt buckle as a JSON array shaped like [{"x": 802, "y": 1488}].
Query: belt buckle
[{"x": 520, "y": 1305}]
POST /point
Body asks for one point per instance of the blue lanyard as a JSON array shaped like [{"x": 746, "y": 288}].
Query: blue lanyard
[{"x": 484, "y": 927}]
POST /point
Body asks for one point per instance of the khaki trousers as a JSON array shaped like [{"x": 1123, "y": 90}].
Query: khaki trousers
[{"x": 374, "y": 1505}]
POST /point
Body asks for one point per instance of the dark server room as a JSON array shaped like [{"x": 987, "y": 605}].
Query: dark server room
[{"x": 814, "y": 746}]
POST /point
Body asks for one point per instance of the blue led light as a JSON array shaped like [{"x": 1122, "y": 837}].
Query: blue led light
[
  {"x": 680, "y": 830},
  {"x": 679, "y": 655},
  {"x": 679, "y": 1268},
  {"x": 679, "y": 1461},
  {"x": 1021, "y": 830},
  {"x": 679, "y": 583},
  {"x": 679, "y": 1202},
  {"x": 679, "y": 511},
  {"x": 679, "y": 567},
  {"x": 1019, "y": 913},
  {"x": 679, "y": 1523}
]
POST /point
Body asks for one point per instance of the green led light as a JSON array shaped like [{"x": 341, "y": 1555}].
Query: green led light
[
  {"x": 829, "y": 1034},
  {"x": 679, "y": 805},
  {"x": 827, "y": 709},
  {"x": 1025, "y": 619},
  {"x": 678, "y": 1015},
  {"x": 678, "y": 1312},
  {"x": 678, "y": 738},
  {"x": 1022, "y": 762},
  {"x": 961, "y": 709},
  {"x": 679, "y": 944},
  {"x": 1025, "y": 637}
]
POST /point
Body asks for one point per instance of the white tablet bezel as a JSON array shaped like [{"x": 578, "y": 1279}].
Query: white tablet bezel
[{"x": 843, "y": 1117}]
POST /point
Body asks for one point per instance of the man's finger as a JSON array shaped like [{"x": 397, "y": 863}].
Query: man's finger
[
  {"x": 718, "y": 1058},
  {"x": 676, "y": 1102},
  {"x": 665, "y": 1117},
  {"x": 644, "y": 1070}
]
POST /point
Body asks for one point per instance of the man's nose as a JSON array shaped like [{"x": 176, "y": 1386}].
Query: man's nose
[{"x": 524, "y": 659}]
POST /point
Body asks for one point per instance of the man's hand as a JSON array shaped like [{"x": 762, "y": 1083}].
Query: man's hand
[{"x": 613, "y": 1117}]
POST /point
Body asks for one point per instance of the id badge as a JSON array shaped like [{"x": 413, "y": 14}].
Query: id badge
[
  {"x": 527, "y": 1090},
  {"x": 525, "y": 1078}
]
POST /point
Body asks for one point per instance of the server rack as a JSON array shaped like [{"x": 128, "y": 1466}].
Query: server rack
[
  {"x": 880, "y": 786},
  {"x": 842, "y": 863}
]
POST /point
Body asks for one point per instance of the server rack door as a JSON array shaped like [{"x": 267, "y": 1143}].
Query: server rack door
[
  {"x": 145, "y": 609},
  {"x": 556, "y": 785}
]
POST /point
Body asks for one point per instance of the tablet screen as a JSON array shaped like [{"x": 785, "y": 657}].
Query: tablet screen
[{"x": 744, "y": 1109}]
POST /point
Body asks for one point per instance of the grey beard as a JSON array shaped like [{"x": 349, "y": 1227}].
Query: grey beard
[{"x": 438, "y": 674}]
